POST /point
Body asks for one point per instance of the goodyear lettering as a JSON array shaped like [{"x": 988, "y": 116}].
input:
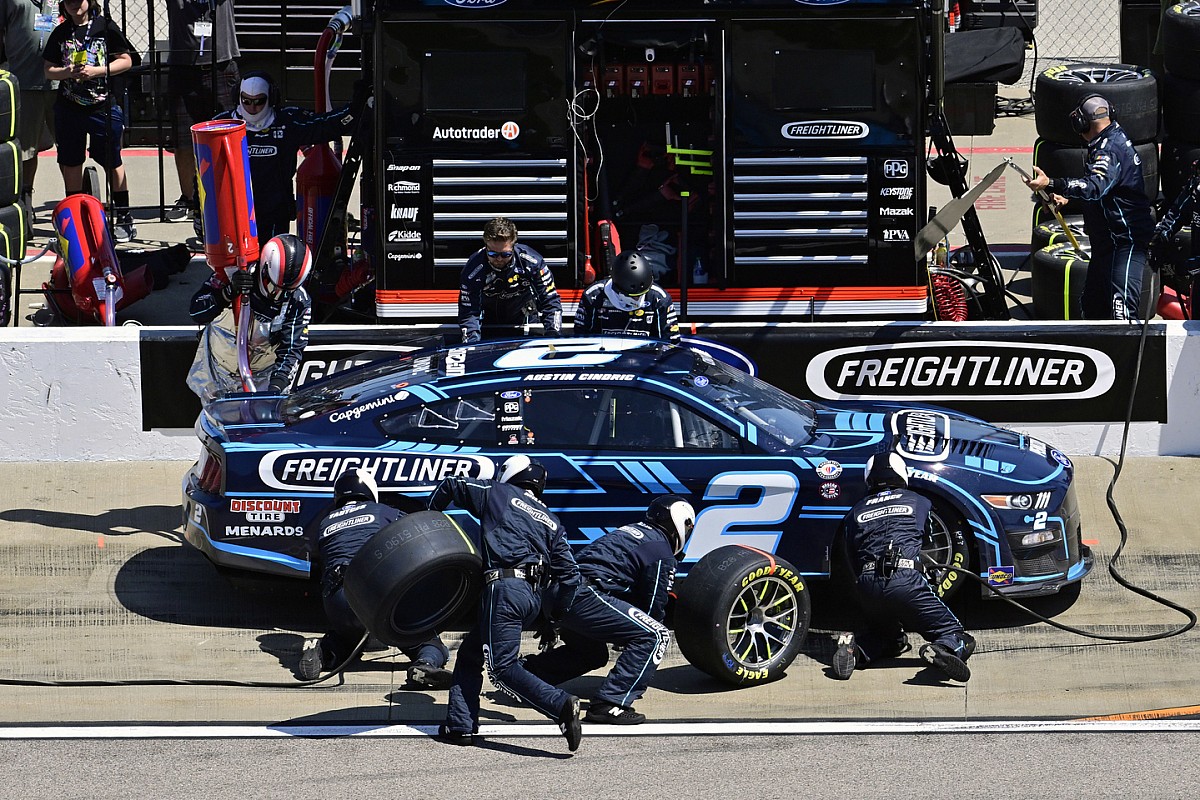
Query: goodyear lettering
[{"x": 752, "y": 674}]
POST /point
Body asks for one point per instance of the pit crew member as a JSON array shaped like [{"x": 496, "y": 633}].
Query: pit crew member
[
  {"x": 527, "y": 564},
  {"x": 355, "y": 517},
  {"x": 627, "y": 575},
  {"x": 883, "y": 533},
  {"x": 628, "y": 303},
  {"x": 1186, "y": 208},
  {"x": 506, "y": 284}
]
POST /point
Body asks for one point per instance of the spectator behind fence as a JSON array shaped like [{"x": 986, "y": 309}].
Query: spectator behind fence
[{"x": 27, "y": 26}]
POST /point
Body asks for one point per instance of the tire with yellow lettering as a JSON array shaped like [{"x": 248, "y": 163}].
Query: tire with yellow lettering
[
  {"x": 741, "y": 615},
  {"x": 414, "y": 578},
  {"x": 946, "y": 542}
]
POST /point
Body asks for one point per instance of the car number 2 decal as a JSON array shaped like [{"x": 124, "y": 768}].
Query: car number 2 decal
[
  {"x": 556, "y": 353},
  {"x": 773, "y": 508}
]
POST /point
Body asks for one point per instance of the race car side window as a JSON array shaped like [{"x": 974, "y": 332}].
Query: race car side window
[{"x": 469, "y": 420}]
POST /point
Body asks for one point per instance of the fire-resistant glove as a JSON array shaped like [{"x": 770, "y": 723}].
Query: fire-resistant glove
[{"x": 241, "y": 283}]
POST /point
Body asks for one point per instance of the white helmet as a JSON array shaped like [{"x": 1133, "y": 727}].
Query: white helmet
[
  {"x": 283, "y": 265},
  {"x": 675, "y": 517}
]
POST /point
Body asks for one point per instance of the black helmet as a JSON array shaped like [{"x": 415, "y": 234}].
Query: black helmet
[
  {"x": 1090, "y": 109},
  {"x": 675, "y": 517},
  {"x": 524, "y": 472},
  {"x": 886, "y": 470},
  {"x": 355, "y": 484},
  {"x": 631, "y": 274}
]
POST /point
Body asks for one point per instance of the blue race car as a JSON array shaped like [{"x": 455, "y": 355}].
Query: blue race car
[{"x": 617, "y": 421}]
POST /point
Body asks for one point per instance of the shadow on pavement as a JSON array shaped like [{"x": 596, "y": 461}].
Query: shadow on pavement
[{"x": 158, "y": 520}]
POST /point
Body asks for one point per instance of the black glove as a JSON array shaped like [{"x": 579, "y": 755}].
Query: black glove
[
  {"x": 241, "y": 283},
  {"x": 1157, "y": 251},
  {"x": 277, "y": 386},
  {"x": 546, "y": 634}
]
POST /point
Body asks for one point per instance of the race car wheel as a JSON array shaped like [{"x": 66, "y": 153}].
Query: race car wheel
[
  {"x": 945, "y": 542},
  {"x": 414, "y": 578},
  {"x": 741, "y": 615},
  {"x": 1132, "y": 90}
]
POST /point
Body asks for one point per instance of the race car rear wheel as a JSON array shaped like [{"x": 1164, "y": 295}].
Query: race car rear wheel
[
  {"x": 414, "y": 578},
  {"x": 945, "y": 542},
  {"x": 741, "y": 615}
]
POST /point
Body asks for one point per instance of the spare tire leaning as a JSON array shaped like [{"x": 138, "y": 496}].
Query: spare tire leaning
[
  {"x": 1181, "y": 40},
  {"x": 741, "y": 615},
  {"x": 1048, "y": 233},
  {"x": 1057, "y": 275},
  {"x": 10, "y": 105},
  {"x": 1132, "y": 90},
  {"x": 414, "y": 578}
]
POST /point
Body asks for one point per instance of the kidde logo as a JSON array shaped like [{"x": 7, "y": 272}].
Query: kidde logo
[
  {"x": 961, "y": 371},
  {"x": 509, "y": 130},
  {"x": 824, "y": 129}
]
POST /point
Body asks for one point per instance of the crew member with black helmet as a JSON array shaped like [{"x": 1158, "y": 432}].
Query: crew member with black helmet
[
  {"x": 1185, "y": 210},
  {"x": 628, "y": 303},
  {"x": 883, "y": 533},
  {"x": 278, "y": 332},
  {"x": 506, "y": 285},
  {"x": 627, "y": 575},
  {"x": 1116, "y": 211},
  {"x": 528, "y": 571},
  {"x": 355, "y": 517}
]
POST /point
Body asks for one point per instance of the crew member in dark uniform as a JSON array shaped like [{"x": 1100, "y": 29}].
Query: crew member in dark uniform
[
  {"x": 627, "y": 576},
  {"x": 508, "y": 285},
  {"x": 528, "y": 570},
  {"x": 356, "y": 516},
  {"x": 883, "y": 534},
  {"x": 628, "y": 303},
  {"x": 1116, "y": 211},
  {"x": 1185, "y": 209}
]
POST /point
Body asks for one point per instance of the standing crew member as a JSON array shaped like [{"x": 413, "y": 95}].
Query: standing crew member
[
  {"x": 26, "y": 24},
  {"x": 883, "y": 533},
  {"x": 528, "y": 571},
  {"x": 506, "y": 284},
  {"x": 1116, "y": 212},
  {"x": 356, "y": 516},
  {"x": 628, "y": 303},
  {"x": 279, "y": 330},
  {"x": 1185, "y": 208},
  {"x": 627, "y": 575}
]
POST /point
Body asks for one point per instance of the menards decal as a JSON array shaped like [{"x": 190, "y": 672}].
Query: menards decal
[{"x": 305, "y": 471}]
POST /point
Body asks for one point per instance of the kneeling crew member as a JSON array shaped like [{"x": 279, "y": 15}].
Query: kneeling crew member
[
  {"x": 526, "y": 563},
  {"x": 627, "y": 575},
  {"x": 356, "y": 516},
  {"x": 883, "y": 532},
  {"x": 1185, "y": 210},
  {"x": 628, "y": 303}
]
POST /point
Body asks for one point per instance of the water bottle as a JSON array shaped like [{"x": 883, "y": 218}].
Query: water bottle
[{"x": 699, "y": 275}]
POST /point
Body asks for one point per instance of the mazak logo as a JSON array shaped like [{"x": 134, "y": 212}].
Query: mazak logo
[
  {"x": 403, "y": 187},
  {"x": 895, "y": 168},
  {"x": 404, "y": 236},
  {"x": 825, "y": 129},
  {"x": 401, "y": 212},
  {"x": 966, "y": 370},
  {"x": 895, "y": 212},
  {"x": 306, "y": 471}
]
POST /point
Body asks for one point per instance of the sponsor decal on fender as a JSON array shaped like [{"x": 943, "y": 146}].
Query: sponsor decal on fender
[
  {"x": 240, "y": 505},
  {"x": 263, "y": 530},
  {"x": 961, "y": 370},
  {"x": 829, "y": 470},
  {"x": 924, "y": 435},
  {"x": 357, "y": 411},
  {"x": 1001, "y": 576},
  {"x": 306, "y": 471}
]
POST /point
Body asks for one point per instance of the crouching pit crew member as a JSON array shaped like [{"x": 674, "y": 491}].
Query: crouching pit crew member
[
  {"x": 1185, "y": 210},
  {"x": 627, "y": 575},
  {"x": 506, "y": 285},
  {"x": 628, "y": 303},
  {"x": 883, "y": 535},
  {"x": 356, "y": 516}
]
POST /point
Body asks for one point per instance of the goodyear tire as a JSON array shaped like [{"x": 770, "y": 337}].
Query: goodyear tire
[
  {"x": 414, "y": 578},
  {"x": 12, "y": 231},
  {"x": 10, "y": 172},
  {"x": 1132, "y": 90},
  {"x": 945, "y": 542},
  {"x": 10, "y": 105},
  {"x": 91, "y": 183},
  {"x": 1048, "y": 233},
  {"x": 1057, "y": 276},
  {"x": 1181, "y": 40},
  {"x": 1059, "y": 161},
  {"x": 741, "y": 615}
]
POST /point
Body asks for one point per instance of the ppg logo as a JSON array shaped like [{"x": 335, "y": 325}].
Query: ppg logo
[{"x": 895, "y": 168}]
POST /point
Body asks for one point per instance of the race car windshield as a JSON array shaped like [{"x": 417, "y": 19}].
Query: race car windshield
[
  {"x": 344, "y": 388},
  {"x": 790, "y": 420}
]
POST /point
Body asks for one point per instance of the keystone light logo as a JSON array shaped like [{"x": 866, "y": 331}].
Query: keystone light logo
[
  {"x": 965, "y": 370},
  {"x": 824, "y": 129}
]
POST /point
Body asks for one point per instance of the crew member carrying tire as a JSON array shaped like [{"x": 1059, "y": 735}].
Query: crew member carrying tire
[
  {"x": 628, "y": 303},
  {"x": 1186, "y": 208},
  {"x": 506, "y": 285},
  {"x": 356, "y": 516},
  {"x": 528, "y": 571},
  {"x": 883, "y": 534},
  {"x": 627, "y": 576},
  {"x": 1116, "y": 211}
]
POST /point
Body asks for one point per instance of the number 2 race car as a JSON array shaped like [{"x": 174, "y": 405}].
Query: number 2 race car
[{"x": 617, "y": 421}]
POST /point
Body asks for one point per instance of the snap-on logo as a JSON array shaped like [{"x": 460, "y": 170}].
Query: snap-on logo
[
  {"x": 1001, "y": 371},
  {"x": 824, "y": 129}
]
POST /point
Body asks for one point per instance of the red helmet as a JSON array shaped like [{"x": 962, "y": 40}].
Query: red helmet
[{"x": 283, "y": 265}]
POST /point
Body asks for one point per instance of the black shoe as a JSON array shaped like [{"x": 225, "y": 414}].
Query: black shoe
[
  {"x": 312, "y": 660},
  {"x": 181, "y": 210},
  {"x": 568, "y": 723},
  {"x": 606, "y": 713},
  {"x": 846, "y": 657},
  {"x": 944, "y": 659},
  {"x": 198, "y": 226},
  {"x": 123, "y": 228},
  {"x": 899, "y": 648},
  {"x": 460, "y": 738},
  {"x": 422, "y": 673}
]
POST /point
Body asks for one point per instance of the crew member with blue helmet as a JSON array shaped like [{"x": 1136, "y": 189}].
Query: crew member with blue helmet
[
  {"x": 1116, "y": 211},
  {"x": 627, "y": 577},
  {"x": 356, "y": 516},
  {"x": 628, "y": 303},
  {"x": 883, "y": 534},
  {"x": 528, "y": 571},
  {"x": 506, "y": 285}
]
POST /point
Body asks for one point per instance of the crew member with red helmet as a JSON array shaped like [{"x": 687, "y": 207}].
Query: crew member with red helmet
[{"x": 628, "y": 303}]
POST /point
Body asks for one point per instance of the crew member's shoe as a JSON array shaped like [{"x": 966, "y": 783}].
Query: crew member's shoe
[
  {"x": 181, "y": 210},
  {"x": 568, "y": 723},
  {"x": 460, "y": 738},
  {"x": 123, "y": 228},
  {"x": 944, "y": 659},
  {"x": 846, "y": 657},
  {"x": 312, "y": 659},
  {"x": 899, "y": 647},
  {"x": 198, "y": 226},
  {"x": 606, "y": 713},
  {"x": 422, "y": 673}
]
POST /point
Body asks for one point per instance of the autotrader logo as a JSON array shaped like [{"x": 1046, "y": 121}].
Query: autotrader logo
[{"x": 964, "y": 370}]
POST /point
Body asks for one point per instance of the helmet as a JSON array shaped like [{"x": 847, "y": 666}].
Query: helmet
[
  {"x": 283, "y": 265},
  {"x": 524, "y": 472},
  {"x": 886, "y": 470},
  {"x": 355, "y": 484},
  {"x": 631, "y": 274},
  {"x": 1090, "y": 108},
  {"x": 675, "y": 517}
]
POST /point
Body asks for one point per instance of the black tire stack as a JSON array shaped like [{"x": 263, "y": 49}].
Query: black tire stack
[
  {"x": 1181, "y": 109},
  {"x": 12, "y": 213},
  {"x": 1057, "y": 270}
]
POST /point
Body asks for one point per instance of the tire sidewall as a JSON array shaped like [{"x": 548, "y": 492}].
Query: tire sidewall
[{"x": 1061, "y": 88}]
